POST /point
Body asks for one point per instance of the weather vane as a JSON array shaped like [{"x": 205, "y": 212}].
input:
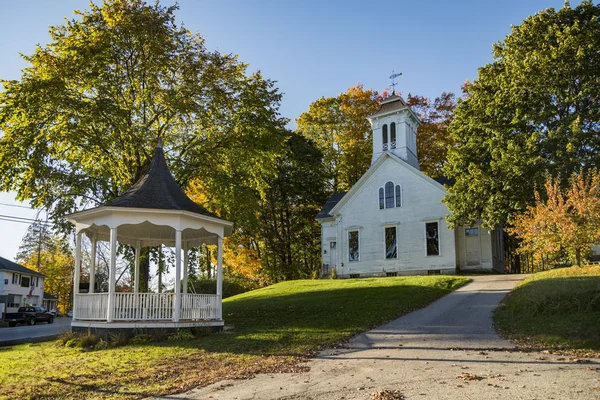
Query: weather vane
[{"x": 393, "y": 77}]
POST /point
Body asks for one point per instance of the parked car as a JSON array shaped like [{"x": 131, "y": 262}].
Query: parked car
[
  {"x": 29, "y": 315},
  {"x": 55, "y": 312},
  {"x": 70, "y": 314}
]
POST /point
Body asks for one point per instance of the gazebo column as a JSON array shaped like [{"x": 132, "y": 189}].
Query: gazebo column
[
  {"x": 136, "y": 278},
  {"x": 220, "y": 275},
  {"x": 93, "y": 266},
  {"x": 185, "y": 269},
  {"x": 177, "y": 302},
  {"x": 77, "y": 273},
  {"x": 112, "y": 275}
]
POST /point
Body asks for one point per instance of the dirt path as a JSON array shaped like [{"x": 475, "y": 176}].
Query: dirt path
[{"x": 447, "y": 350}]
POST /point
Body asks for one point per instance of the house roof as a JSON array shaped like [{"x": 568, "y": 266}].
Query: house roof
[
  {"x": 331, "y": 202},
  {"x": 48, "y": 296},
  {"x": 8, "y": 265},
  {"x": 157, "y": 189}
]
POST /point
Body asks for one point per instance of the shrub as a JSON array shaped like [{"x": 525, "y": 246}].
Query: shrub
[
  {"x": 334, "y": 274},
  {"x": 181, "y": 336},
  {"x": 101, "y": 345},
  {"x": 73, "y": 343},
  {"x": 89, "y": 341},
  {"x": 140, "y": 338},
  {"x": 117, "y": 339},
  {"x": 65, "y": 337}
]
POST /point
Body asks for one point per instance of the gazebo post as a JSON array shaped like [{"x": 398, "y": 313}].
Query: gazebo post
[
  {"x": 112, "y": 275},
  {"x": 177, "y": 302},
  {"x": 220, "y": 275},
  {"x": 185, "y": 268},
  {"x": 93, "y": 266},
  {"x": 77, "y": 272},
  {"x": 136, "y": 278}
]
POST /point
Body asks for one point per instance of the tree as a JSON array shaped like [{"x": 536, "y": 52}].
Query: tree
[
  {"x": 290, "y": 233},
  {"x": 81, "y": 123},
  {"x": 49, "y": 254},
  {"x": 433, "y": 138},
  {"x": 339, "y": 128},
  {"x": 568, "y": 220},
  {"x": 534, "y": 110}
]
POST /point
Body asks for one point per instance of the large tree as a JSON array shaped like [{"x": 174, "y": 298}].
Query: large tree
[
  {"x": 81, "y": 123},
  {"x": 534, "y": 110},
  {"x": 340, "y": 129}
]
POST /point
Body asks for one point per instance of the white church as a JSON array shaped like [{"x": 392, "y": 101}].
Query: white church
[{"x": 392, "y": 221}]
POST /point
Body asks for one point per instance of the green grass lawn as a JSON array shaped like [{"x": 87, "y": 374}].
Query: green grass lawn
[
  {"x": 557, "y": 309},
  {"x": 275, "y": 327}
]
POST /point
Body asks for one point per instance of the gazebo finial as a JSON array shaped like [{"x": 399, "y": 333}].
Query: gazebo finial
[{"x": 159, "y": 143}]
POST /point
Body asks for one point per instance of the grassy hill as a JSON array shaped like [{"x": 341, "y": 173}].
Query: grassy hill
[
  {"x": 556, "y": 309},
  {"x": 274, "y": 328}
]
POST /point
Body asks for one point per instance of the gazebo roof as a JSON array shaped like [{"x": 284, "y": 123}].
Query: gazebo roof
[{"x": 157, "y": 189}]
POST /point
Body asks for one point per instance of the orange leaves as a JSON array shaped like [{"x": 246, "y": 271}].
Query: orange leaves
[{"x": 564, "y": 220}]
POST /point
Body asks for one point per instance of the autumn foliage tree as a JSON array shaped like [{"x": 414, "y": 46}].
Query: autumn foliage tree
[{"x": 562, "y": 220}]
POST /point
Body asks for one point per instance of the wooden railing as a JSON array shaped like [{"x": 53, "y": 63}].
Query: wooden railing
[{"x": 147, "y": 306}]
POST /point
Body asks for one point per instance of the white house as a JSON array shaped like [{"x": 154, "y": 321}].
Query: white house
[
  {"x": 19, "y": 286},
  {"x": 392, "y": 221}
]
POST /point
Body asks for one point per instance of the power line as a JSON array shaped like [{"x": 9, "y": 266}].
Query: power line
[
  {"x": 22, "y": 220},
  {"x": 15, "y": 205}
]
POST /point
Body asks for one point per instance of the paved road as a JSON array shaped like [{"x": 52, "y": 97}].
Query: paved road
[
  {"x": 26, "y": 333},
  {"x": 447, "y": 350}
]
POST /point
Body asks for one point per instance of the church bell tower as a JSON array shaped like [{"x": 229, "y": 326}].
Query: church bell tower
[{"x": 394, "y": 128}]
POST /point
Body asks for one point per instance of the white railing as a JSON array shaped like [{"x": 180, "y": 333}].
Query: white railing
[
  {"x": 200, "y": 306},
  {"x": 92, "y": 306},
  {"x": 147, "y": 306}
]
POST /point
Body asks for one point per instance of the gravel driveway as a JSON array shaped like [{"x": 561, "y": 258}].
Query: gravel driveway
[{"x": 447, "y": 350}]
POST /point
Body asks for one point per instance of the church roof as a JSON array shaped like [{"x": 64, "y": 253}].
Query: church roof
[
  {"x": 331, "y": 202},
  {"x": 157, "y": 188},
  {"x": 392, "y": 103},
  {"x": 8, "y": 265}
]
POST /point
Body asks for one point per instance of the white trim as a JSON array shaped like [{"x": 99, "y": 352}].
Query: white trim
[
  {"x": 337, "y": 209},
  {"x": 142, "y": 325}
]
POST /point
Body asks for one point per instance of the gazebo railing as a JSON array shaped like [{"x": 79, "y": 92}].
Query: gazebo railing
[{"x": 147, "y": 306}]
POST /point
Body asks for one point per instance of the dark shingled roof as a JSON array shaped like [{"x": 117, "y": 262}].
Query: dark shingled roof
[
  {"x": 48, "y": 296},
  {"x": 444, "y": 181},
  {"x": 394, "y": 102},
  {"x": 331, "y": 202},
  {"x": 157, "y": 188},
  {"x": 14, "y": 267}
]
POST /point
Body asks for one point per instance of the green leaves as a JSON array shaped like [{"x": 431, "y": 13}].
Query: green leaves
[
  {"x": 80, "y": 125},
  {"x": 534, "y": 110}
]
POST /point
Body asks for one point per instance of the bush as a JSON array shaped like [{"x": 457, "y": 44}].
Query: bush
[
  {"x": 89, "y": 341},
  {"x": 117, "y": 339},
  {"x": 334, "y": 274},
  {"x": 73, "y": 343},
  {"x": 141, "y": 338},
  {"x": 65, "y": 337},
  {"x": 232, "y": 285},
  {"x": 101, "y": 345},
  {"x": 181, "y": 336}
]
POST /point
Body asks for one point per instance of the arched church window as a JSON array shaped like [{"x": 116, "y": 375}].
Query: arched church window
[
  {"x": 384, "y": 131},
  {"x": 398, "y": 196},
  {"x": 389, "y": 195},
  {"x": 393, "y": 135},
  {"x": 381, "y": 201}
]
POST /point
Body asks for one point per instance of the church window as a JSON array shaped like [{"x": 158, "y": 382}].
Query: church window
[
  {"x": 384, "y": 131},
  {"x": 391, "y": 243},
  {"x": 389, "y": 195},
  {"x": 353, "y": 246},
  {"x": 393, "y": 135},
  {"x": 381, "y": 202},
  {"x": 398, "y": 196},
  {"x": 432, "y": 238}
]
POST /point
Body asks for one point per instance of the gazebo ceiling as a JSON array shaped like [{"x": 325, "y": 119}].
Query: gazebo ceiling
[{"x": 151, "y": 211}]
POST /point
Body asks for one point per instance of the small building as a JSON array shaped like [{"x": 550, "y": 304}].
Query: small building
[
  {"x": 49, "y": 302},
  {"x": 19, "y": 286},
  {"x": 393, "y": 221},
  {"x": 154, "y": 211}
]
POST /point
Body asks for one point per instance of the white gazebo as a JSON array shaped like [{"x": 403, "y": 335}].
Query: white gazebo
[{"x": 152, "y": 212}]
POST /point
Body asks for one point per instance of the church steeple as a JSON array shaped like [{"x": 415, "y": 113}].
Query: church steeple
[{"x": 394, "y": 128}]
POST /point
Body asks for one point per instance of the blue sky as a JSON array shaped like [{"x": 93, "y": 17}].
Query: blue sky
[{"x": 311, "y": 48}]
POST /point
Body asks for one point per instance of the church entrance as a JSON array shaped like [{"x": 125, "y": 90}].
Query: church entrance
[{"x": 473, "y": 247}]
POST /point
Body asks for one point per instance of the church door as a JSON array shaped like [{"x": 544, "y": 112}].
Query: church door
[{"x": 472, "y": 246}]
